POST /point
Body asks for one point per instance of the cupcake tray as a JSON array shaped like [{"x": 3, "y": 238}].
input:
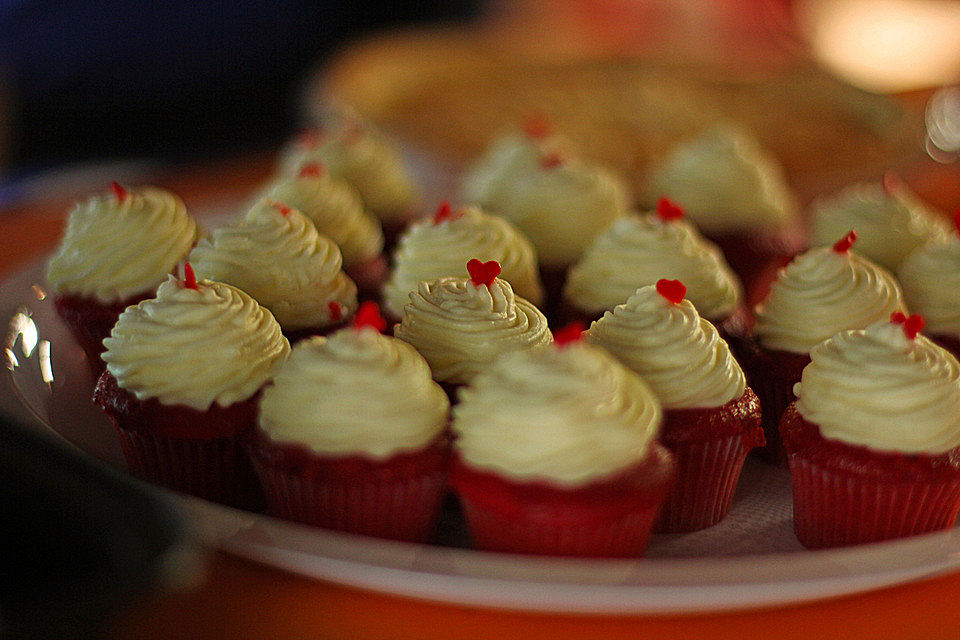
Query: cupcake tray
[{"x": 750, "y": 559}]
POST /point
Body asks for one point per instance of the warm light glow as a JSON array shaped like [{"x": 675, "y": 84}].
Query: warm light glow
[
  {"x": 885, "y": 45},
  {"x": 943, "y": 125},
  {"x": 46, "y": 367}
]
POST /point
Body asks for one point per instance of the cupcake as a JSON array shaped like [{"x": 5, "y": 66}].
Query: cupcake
[
  {"x": 636, "y": 251},
  {"x": 711, "y": 418},
  {"x": 560, "y": 202},
  {"x": 736, "y": 194},
  {"x": 184, "y": 371},
  {"x": 821, "y": 292},
  {"x": 889, "y": 219},
  {"x": 378, "y": 472},
  {"x": 930, "y": 277},
  {"x": 116, "y": 250},
  {"x": 555, "y": 454},
  {"x": 276, "y": 255},
  {"x": 441, "y": 246},
  {"x": 873, "y": 439},
  {"x": 336, "y": 211},
  {"x": 353, "y": 150},
  {"x": 461, "y": 325}
]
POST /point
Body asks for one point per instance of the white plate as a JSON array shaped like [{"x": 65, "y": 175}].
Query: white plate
[{"x": 750, "y": 559}]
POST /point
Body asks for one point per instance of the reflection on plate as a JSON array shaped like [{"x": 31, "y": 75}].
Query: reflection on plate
[{"x": 751, "y": 559}]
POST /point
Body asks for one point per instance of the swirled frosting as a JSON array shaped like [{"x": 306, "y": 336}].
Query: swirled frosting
[
  {"x": 877, "y": 388},
  {"x": 281, "y": 260},
  {"x": 568, "y": 416},
  {"x": 678, "y": 353},
  {"x": 315, "y": 395},
  {"x": 429, "y": 250},
  {"x": 822, "y": 292},
  {"x": 195, "y": 347},
  {"x": 930, "y": 277},
  {"x": 562, "y": 208},
  {"x": 115, "y": 248},
  {"x": 639, "y": 250},
  {"x": 354, "y": 151},
  {"x": 460, "y": 327},
  {"x": 889, "y": 223},
  {"x": 725, "y": 182},
  {"x": 335, "y": 209},
  {"x": 489, "y": 181}
]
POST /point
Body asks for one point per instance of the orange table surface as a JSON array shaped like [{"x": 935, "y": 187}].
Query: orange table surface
[{"x": 240, "y": 599}]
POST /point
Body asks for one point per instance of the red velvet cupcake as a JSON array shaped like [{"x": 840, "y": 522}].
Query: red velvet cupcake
[
  {"x": 873, "y": 440},
  {"x": 379, "y": 471},
  {"x": 184, "y": 373},
  {"x": 819, "y": 293},
  {"x": 556, "y": 454},
  {"x": 116, "y": 250},
  {"x": 711, "y": 418}
]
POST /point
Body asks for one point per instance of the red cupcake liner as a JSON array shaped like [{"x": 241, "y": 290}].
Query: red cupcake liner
[
  {"x": 772, "y": 375},
  {"x": 948, "y": 342},
  {"x": 847, "y": 495},
  {"x": 398, "y": 498},
  {"x": 90, "y": 321},
  {"x": 612, "y": 518},
  {"x": 756, "y": 256},
  {"x": 369, "y": 277}
]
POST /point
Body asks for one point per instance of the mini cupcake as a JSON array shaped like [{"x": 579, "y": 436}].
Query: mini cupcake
[
  {"x": 378, "y": 472},
  {"x": 353, "y": 150},
  {"x": 889, "y": 219},
  {"x": 640, "y": 250},
  {"x": 930, "y": 277},
  {"x": 874, "y": 437},
  {"x": 555, "y": 454},
  {"x": 821, "y": 292},
  {"x": 711, "y": 418},
  {"x": 560, "y": 203},
  {"x": 736, "y": 194},
  {"x": 183, "y": 377},
  {"x": 116, "y": 250},
  {"x": 441, "y": 246},
  {"x": 336, "y": 211},
  {"x": 276, "y": 255},
  {"x": 461, "y": 325}
]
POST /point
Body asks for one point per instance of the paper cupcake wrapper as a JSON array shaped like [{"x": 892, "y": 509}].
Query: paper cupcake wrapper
[
  {"x": 832, "y": 509},
  {"x": 216, "y": 469},
  {"x": 775, "y": 396},
  {"x": 707, "y": 475},
  {"x": 405, "y": 508}
]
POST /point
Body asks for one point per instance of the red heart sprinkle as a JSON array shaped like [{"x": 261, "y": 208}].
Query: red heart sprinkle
[
  {"x": 551, "y": 160},
  {"x": 483, "y": 272},
  {"x": 672, "y": 290},
  {"x": 898, "y": 317},
  {"x": 569, "y": 334},
  {"x": 445, "y": 212},
  {"x": 189, "y": 277},
  {"x": 668, "y": 210},
  {"x": 537, "y": 126},
  {"x": 311, "y": 170},
  {"x": 843, "y": 244},
  {"x": 119, "y": 192},
  {"x": 281, "y": 207},
  {"x": 336, "y": 311},
  {"x": 368, "y": 315},
  {"x": 911, "y": 325}
]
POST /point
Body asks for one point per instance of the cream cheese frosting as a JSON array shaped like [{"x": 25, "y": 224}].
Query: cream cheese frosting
[
  {"x": 315, "y": 396},
  {"x": 725, "y": 182},
  {"x": 568, "y": 416},
  {"x": 890, "y": 222},
  {"x": 354, "y": 151},
  {"x": 195, "y": 347},
  {"x": 334, "y": 208},
  {"x": 429, "y": 250},
  {"x": 639, "y": 250},
  {"x": 930, "y": 277},
  {"x": 460, "y": 327},
  {"x": 877, "y": 388},
  {"x": 677, "y": 353},
  {"x": 280, "y": 259},
  {"x": 116, "y": 247},
  {"x": 821, "y": 292}
]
